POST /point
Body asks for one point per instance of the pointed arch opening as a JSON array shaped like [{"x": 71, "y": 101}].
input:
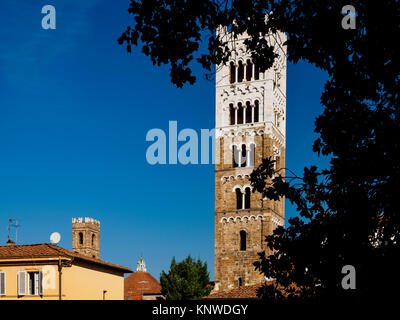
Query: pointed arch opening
[
  {"x": 239, "y": 199},
  {"x": 252, "y": 154},
  {"x": 247, "y": 194},
  {"x": 240, "y": 113},
  {"x": 240, "y": 72},
  {"x": 249, "y": 70},
  {"x": 232, "y": 73},
  {"x": 93, "y": 240},
  {"x": 235, "y": 158},
  {"x": 243, "y": 240},
  {"x": 231, "y": 114},
  {"x": 256, "y": 111},
  {"x": 243, "y": 158},
  {"x": 248, "y": 112}
]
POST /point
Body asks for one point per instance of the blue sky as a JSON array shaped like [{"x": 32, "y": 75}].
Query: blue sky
[{"x": 75, "y": 108}]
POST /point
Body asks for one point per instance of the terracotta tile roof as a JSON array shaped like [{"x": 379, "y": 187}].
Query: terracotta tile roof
[
  {"x": 139, "y": 283},
  {"x": 244, "y": 292},
  {"x": 50, "y": 250},
  {"x": 250, "y": 292}
]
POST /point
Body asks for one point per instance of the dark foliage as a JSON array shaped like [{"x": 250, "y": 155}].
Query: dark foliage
[
  {"x": 349, "y": 213},
  {"x": 186, "y": 280}
]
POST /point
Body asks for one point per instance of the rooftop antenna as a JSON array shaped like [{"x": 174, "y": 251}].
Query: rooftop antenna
[{"x": 13, "y": 223}]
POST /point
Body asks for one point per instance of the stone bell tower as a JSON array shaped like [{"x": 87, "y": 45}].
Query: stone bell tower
[
  {"x": 86, "y": 237},
  {"x": 250, "y": 126}
]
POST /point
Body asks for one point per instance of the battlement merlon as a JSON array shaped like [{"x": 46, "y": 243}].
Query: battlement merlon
[{"x": 86, "y": 220}]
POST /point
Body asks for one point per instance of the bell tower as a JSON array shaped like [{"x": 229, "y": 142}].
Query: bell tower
[
  {"x": 86, "y": 237},
  {"x": 250, "y": 126}
]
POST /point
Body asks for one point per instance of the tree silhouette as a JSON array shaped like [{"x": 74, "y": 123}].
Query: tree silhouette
[{"x": 349, "y": 213}]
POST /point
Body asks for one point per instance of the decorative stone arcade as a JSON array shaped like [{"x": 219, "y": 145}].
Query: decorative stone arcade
[{"x": 250, "y": 126}]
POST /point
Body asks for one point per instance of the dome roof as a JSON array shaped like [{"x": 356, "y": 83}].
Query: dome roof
[{"x": 140, "y": 283}]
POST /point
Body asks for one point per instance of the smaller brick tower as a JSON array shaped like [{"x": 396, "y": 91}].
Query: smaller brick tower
[{"x": 86, "y": 237}]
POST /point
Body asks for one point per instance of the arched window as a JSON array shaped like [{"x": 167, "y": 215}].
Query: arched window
[
  {"x": 248, "y": 112},
  {"x": 231, "y": 114},
  {"x": 240, "y": 282},
  {"x": 252, "y": 154},
  {"x": 239, "y": 199},
  {"x": 240, "y": 71},
  {"x": 93, "y": 240},
  {"x": 249, "y": 70},
  {"x": 256, "y": 107},
  {"x": 243, "y": 158},
  {"x": 243, "y": 237},
  {"x": 235, "y": 154},
  {"x": 247, "y": 198},
  {"x": 232, "y": 73},
  {"x": 240, "y": 113},
  {"x": 256, "y": 72},
  {"x": 80, "y": 238}
]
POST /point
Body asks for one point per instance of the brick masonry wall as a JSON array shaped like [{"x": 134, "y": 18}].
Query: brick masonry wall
[
  {"x": 230, "y": 262},
  {"x": 267, "y": 91}
]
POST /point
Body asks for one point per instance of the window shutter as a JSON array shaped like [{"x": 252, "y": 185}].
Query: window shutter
[
  {"x": 21, "y": 283},
  {"x": 31, "y": 283},
  {"x": 2, "y": 283},
  {"x": 36, "y": 283},
  {"x": 40, "y": 283}
]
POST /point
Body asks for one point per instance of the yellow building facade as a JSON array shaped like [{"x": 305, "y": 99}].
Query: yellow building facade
[{"x": 46, "y": 271}]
